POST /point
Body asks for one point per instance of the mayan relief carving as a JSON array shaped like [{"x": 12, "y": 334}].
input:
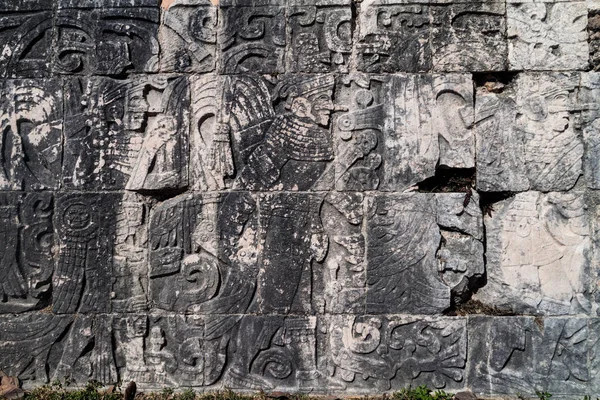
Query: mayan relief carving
[
  {"x": 305, "y": 196},
  {"x": 538, "y": 247},
  {"x": 26, "y": 38},
  {"x": 547, "y": 36},
  {"x": 31, "y": 134},
  {"x": 128, "y": 134},
  {"x": 529, "y": 135},
  {"x": 527, "y": 354},
  {"x": 392, "y": 351},
  {"x": 111, "y": 38}
]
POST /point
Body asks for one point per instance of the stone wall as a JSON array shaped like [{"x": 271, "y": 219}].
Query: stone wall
[{"x": 301, "y": 195}]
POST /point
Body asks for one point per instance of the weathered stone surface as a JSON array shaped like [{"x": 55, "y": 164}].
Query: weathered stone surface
[
  {"x": 588, "y": 95},
  {"x": 290, "y": 196},
  {"x": 106, "y": 38},
  {"x": 102, "y": 257},
  {"x": 469, "y": 37},
  {"x": 394, "y": 36},
  {"x": 188, "y": 37},
  {"x": 26, "y": 254},
  {"x": 392, "y": 352},
  {"x": 402, "y": 268},
  {"x": 524, "y": 354},
  {"x": 320, "y": 34},
  {"x": 128, "y": 134},
  {"x": 31, "y": 122},
  {"x": 461, "y": 252},
  {"x": 251, "y": 37},
  {"x": 538, "y": 257},
  {"x": 527, "y": 136},
  {"x": 25, "y": 38},
  {"x": 26, "y": 342},
  {"x": 593, "y": 30},
  {"x": 399, "y": 127},
  {"x": 547, "y": 35}
]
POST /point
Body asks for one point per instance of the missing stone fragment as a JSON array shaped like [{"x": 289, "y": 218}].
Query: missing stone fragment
[
  {"x": 488, "y": 199},
  {"x": 476, "y": 307},
  {"x": 494, "y": 82},
  {"x": 449, "y": 180}
]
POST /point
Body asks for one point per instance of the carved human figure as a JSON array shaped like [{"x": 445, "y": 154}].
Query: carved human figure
[
  {"x": 160, "y": 361},
  {"x": 293, "y": 155}
]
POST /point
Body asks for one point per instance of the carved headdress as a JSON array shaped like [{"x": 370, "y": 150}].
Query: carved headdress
[{"x": 309, "y": 88}]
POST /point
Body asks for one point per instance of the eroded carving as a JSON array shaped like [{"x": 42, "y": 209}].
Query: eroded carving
[
  {"x": 31, "y": 127},
  {"x": 321, "y": 36},
  {"x": 469, "y": 37},
  {"x": 528, "y": 135},
  {"x": 537, "y": 254},
  {"x": 395, "y": 352},
  {"x": 251, "y": 38},
  {"x": 126, "y": 134},
  {"x": 106, "y": 38},
  {"x": 394, "y": 36},
  {"x": 547, "y": 35},
  {"x": 188, "y": 37},
  {"x": 26, "y": 37},
  {"x": 549, "y": 354},
  {"x": 26, "y": 256}
]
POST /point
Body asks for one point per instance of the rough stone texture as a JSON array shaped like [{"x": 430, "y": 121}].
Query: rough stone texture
[
  {"x": 538, "y": 254},
  {"x": 300, "y": 195},
  {"x": 547, "y": 35},
  {"x": 528, "y": 136}
]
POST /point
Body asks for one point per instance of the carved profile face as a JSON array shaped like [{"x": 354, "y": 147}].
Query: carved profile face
[
  {"x": 137, "y": 108},
  {"x": 320, "y": 109}
]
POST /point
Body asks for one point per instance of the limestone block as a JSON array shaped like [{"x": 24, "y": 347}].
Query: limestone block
[
  {"x": 528, "y": 136},
  {"x": 402, "y": 270},
  {"x": 460, "y": 212},
  {"x": 547, "y": 35},
  {"x": 538, "y": 254},
  {"x": 106, "y": 38},
  {"x": 593, "y": 30},
  {"x": 31, "y": 122},
  {"x": 461, "y": 252},
  {"x": 25, "y": 37},
  {"x": 376, "y": 353},
  {"x": 250, "y": 133},
  {"x": 102, "y": 256},
  {"x": 26, "y": 254},
  {"x": 188, "y": 37},
  {"x": 469, "y": 37},
  {"x": 588, "y": 101},
  {"x": 344, "y": 271},
  {"x": 320, "y": 34},
  {"x": 393, "y": 36},
  {"x": 399, "y": 127},
  {"x": 26, "y": 342},
  {"x": 509, "y": 355},
  {"x": 251, "y": 37},
  {"x": 211, "y": 264},
  {"x": 129, "y": 134}
]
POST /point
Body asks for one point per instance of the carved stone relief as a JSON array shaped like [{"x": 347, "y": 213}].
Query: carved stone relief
[
  {"x": 538, "y": 254},
  {"x": 305, "y": 196},
  {"x": 529, "y": 134},
  {"x": 547, "y": 35}
]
